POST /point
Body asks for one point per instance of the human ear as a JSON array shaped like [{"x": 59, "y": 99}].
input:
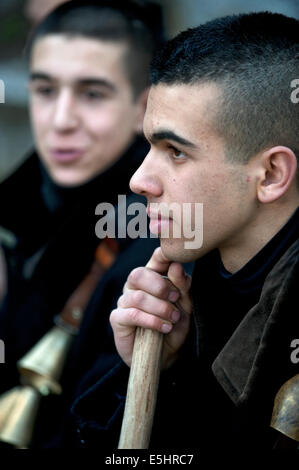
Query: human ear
[
  {"x": 140, "y": 110},
  {"x": 278, "y": 167}
]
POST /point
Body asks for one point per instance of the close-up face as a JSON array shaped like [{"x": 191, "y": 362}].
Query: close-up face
[
  {"x": 187, "y": 165},
  {"x": 81, "y": 104}
]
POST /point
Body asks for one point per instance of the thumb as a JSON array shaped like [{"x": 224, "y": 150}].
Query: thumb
[
  {"x": 182, "y": 282},
  {"x": 158, "y": 262}
]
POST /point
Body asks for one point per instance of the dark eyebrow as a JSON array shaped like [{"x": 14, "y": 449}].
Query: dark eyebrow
[
  {"x": 97, "y": 82},
  {"x": 40, "y": 76},
  {"x": 169, "y": 135},
  {"x": 89, "y": 81}
]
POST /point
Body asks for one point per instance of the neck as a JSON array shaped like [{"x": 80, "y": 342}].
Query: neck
[{"x": 256, "y": 235}]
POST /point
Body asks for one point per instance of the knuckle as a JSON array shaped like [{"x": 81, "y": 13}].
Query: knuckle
[
  {"x": 112, "y": 317},
  {"x": 133, "y": 315},
  {"x": 135, "y": 274},
  {"x": 138, "y": 297},
  {"x": 161, "y": 288},
  {"x": 120, "y": 302}
]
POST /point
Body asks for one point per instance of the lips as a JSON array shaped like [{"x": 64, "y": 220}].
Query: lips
[
  {"x": 161, "y": 214},
  {"x": 159, "y": 223},
  {"x": 66, "y": 155}
]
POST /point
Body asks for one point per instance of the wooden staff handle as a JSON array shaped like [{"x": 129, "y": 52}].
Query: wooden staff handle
[{"x": 142, "y": 390}]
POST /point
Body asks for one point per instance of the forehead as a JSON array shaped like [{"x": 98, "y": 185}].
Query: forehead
[
  {"x": 68, "y": 57},
  {"x": 184, "y": 109}
]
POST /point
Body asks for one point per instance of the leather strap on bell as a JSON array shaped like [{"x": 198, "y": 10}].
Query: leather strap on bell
[{"x": 71, "y": 316}]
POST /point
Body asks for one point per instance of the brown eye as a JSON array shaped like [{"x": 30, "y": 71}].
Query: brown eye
[
  {"x": 93, "y": 95},
  {"x": 176, "y": 154},
  {"x": 45, "y": 91}
]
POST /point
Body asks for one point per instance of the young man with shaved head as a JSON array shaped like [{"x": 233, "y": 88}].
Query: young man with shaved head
[{"x": 223, "y": 130}]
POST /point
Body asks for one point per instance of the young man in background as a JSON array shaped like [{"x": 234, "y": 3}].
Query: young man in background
[{"x": 88, "y": 65}]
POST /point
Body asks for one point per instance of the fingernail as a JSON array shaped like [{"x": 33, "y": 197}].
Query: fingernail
[
  {"x": 173, "y": 296},
  {"x": 166, "y": 327},
  {"x": 175, "y": 316}
]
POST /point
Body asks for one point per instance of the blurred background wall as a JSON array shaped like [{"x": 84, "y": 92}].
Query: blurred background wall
[{"x": 17, "y": 17}]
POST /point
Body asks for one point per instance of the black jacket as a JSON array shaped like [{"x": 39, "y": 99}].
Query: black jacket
[{"x": 55, "y": 244}]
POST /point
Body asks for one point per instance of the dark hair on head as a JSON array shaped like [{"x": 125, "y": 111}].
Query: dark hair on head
[
  {"x": 123, "y": 21},
  {"x": 253, "y": 58}
]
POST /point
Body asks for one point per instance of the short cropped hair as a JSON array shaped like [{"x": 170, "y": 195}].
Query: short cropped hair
[
  {"x": 121, "y": 21},
  {"x": 253, "y": 58}
]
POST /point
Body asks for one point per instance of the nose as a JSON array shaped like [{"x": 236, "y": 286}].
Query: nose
[
  {"x": 145, "y": 180},
  {"x": 65, "y": 117}
]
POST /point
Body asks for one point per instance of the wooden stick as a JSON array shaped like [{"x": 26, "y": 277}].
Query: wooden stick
[{"x": 142, "y": 390}]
